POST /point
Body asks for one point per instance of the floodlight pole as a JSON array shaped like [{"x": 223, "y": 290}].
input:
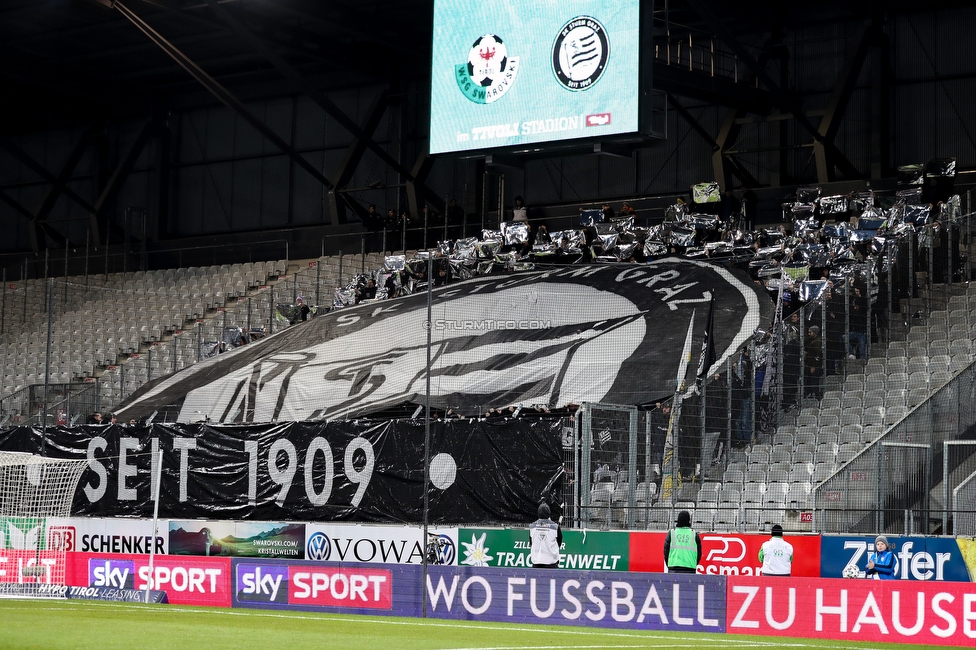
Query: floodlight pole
[
  {"x": 430, "y": 312},
  {"x": 152, "y": 545},
  {"x": 47, "y": 364}
]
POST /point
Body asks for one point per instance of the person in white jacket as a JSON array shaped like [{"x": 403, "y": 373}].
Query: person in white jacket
[
  {"x": 545, "y": 540},
  {"x": 776, "y": 554}
]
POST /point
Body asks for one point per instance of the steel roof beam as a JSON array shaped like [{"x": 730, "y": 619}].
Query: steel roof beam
[
  {"x": 302, "y": 85},
  {"x": 784, "y": 99},
  {"x": 222, "y": 94}
]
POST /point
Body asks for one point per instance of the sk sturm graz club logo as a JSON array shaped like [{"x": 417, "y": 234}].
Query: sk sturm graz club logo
[
  {"x": 580, "y": 53},
  {"x": 489, "y": 72}
]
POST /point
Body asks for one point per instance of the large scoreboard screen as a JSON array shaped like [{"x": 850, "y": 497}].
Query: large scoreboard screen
[{"x": 520, "y": 72}]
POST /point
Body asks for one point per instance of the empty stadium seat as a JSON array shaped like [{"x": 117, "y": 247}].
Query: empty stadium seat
[
  {"x": 848, "y": 451},
  {"x": 704, "y": 519},
  {"x": 822, "y": 471},
  {"x": 830, "y": 402},
  {"x": 850, "y": 402},
  {"x": 783, "y": 438},
  {"x": 850, "y": 416},
  {"x": 781, "y": 453},
  {"x": 729, "y": 494},
  {"x": 756, "y": 474},
  {"x": 850, "y": 433},
  {"x": 875, "y": 381},
  {"x": 709, "y": 491},
  {"x": 801, "y": 471},
  {"x": 799, "y": 497},
  {"x": 802, "y": 457},
  {"x": 806, "y": 435},
  {"x": 726, "y": 519},
  {"x": 753, "y": 494},
  {"x": 733, "y": 477},
  {"x": 872, "y": 432}
]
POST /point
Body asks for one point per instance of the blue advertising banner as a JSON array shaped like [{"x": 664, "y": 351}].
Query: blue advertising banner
[
  {"x": 917, "y": 558},
  {"x": 646, "y": 601}
]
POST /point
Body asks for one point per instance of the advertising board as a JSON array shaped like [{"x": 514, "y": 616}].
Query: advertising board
[
  {"x": 106, "y": 535},
  {"x": 518, "y": 72},
  {"x": 917, "y": 558},
  {"x": 380, "y": 544},
  {"x": 872, "y": 611},
  {"x": 186, "y": 580},
  {"x": 509, "y": 547},
  {"x": 16, "y": 566},
  {"x": 392, "y": 589},
  {"x": 237, "y": 538},
  {"x": 726, "y": 554},
  {"x": 591, "y": 598}
]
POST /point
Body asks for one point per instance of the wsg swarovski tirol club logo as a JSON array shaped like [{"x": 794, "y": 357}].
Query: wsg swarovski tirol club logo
[
  {"x": 489, "y": 72},
  {"x": 580, "y": 53}
]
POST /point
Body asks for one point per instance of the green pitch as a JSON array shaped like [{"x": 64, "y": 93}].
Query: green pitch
[{"x": 80, "y": 625}]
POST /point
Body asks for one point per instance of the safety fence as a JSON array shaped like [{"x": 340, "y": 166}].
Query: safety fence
[{"x": 902, "y": 481}]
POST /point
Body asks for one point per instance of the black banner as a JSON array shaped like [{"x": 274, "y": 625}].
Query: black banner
[{"x": 371, "y": 471}]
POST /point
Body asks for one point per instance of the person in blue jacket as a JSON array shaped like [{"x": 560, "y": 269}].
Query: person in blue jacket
[{"x": 882, "y": 563}]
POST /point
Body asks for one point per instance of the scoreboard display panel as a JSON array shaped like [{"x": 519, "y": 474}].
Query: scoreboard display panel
[{"x": 507, "y": 73}]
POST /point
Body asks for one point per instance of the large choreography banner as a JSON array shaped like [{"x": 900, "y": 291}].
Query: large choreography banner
[
  {"x": 566, "y": 335},
  {"x": 480, "y": 471}
]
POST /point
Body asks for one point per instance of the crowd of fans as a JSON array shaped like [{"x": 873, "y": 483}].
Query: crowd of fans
[{"x": 828, "y": 266}]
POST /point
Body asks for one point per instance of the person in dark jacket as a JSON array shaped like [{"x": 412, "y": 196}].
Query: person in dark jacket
[
  {"x": 813, "y": 363},
  {"x": 682, "y": 546},
  {"x": 302, "y": 309}
]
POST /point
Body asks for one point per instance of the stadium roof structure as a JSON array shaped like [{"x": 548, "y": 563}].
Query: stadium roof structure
[
  {"x": 73, "y": 61},
  {"x": 66, "y": 62},
  {"x": 77, "y": 73}
]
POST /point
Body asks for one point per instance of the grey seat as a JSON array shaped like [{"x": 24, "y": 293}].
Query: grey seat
[
  {"x": 850, "y": 433},
  {"x": 709, "y": 492},
  {"x": 781, "y": 453},
  {"x": 822, "y": 472},
  {"x": 848, "y": 451},
  {"x": 799, "y": 496},
  {"x": 733, "y": 477},
  {"x": 756, "y": 475},
  {"x": 730, "y": 494}
]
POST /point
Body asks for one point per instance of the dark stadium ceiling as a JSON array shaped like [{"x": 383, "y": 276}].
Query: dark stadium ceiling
[{"x": 70, "y": 62}]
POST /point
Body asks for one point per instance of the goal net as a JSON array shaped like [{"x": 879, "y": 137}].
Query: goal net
[{"x": 32, "y": 490}]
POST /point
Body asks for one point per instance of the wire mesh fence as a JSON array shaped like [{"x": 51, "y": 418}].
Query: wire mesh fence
[
  {"x": 963, "y": 508},
  {"x": 895, "y": 474},
  {"x": 800, "y": 425}
]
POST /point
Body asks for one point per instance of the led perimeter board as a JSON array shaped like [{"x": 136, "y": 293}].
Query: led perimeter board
[{"x": 511, "y": 73}]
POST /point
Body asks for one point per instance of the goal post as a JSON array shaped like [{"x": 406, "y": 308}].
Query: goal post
[{"x": 33, "y": 489}]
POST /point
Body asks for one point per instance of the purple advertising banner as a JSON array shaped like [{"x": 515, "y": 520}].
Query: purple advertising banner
[
  {"x": 333, "y": 587},
  {"x": 646, "y": 601}
]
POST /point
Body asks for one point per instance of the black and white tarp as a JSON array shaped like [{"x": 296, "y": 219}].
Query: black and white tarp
[
  {"x": 566, "y": 335},
  {"x": 481, "y": 471}
]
